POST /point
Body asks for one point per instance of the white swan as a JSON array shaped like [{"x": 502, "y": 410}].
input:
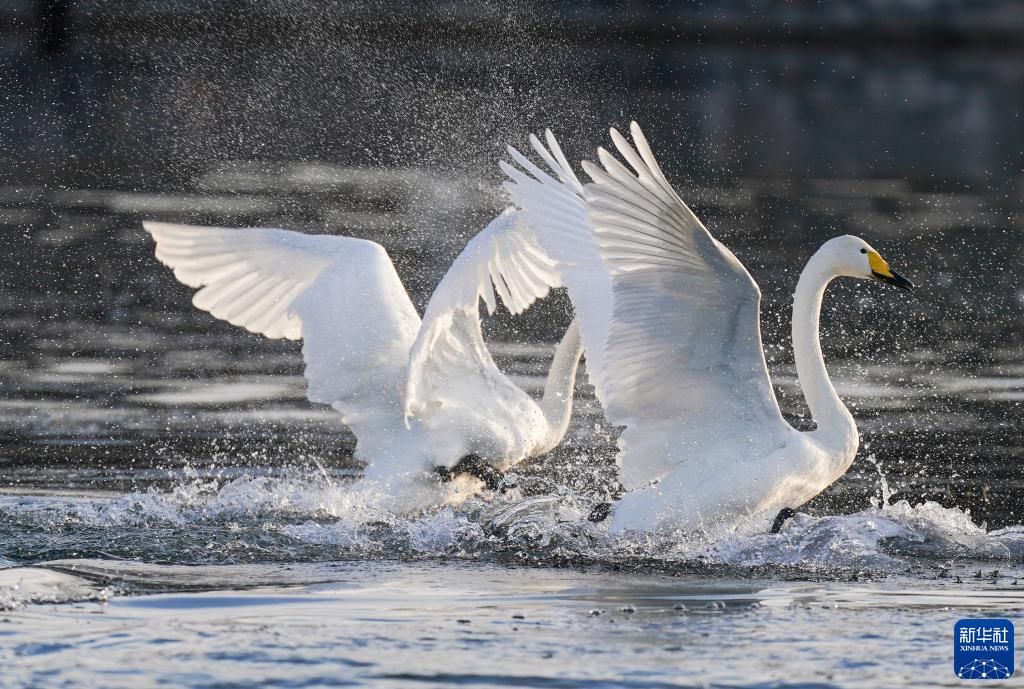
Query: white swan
[
  {"x": 670, "y": 321},
  {"x": 423, "y": 398}
]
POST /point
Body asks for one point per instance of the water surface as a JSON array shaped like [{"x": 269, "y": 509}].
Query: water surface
[{"x": 173, "y": 512}]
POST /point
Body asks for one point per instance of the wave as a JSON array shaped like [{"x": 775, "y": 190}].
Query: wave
[{"x": 298, "y": 517}]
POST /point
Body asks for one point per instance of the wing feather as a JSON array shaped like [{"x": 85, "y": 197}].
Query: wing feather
[
  {"x": 450, "y": 351},
  {"x": 668, "y": 315},
  {"x": 340, "y": 295},
  {"x": 554, "y": 206},
  {"x": 684, "y": 344},
  {"x": 563, "y": 168}
]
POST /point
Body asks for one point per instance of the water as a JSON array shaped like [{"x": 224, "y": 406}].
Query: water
[
  {"x": 471, "y": 597},
  {"x": 423, "y": 624},
  {"x": 174, "y": 513}
]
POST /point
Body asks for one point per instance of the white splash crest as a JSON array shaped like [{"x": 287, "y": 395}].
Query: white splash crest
[{"x": 317, "y": 516}]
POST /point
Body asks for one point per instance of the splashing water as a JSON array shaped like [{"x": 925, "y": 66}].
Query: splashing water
[
  {"x": 297, "y": 517},
  {"x": 884, "y": 496}
]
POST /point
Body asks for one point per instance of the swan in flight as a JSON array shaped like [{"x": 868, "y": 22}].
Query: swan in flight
[
  {"x": 670, "y": 321},
  {"x": 424, "y": 399}
]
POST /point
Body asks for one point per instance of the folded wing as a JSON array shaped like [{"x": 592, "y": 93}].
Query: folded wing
[{"x": 340, "y": 295}]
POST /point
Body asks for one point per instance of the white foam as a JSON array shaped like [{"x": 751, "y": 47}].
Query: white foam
[
  {"x": 347, "y": 518},
  {"x": 23, "y": 585}
]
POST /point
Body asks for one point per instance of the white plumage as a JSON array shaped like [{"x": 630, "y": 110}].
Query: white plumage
[
  {"x": 673, "y": 336},
  {"x": 558, "y": 202},
  {"x": 417, "y": 395}
]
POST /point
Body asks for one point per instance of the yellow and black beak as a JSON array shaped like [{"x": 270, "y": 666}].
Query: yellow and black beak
[{"x": 881, "y": 271}]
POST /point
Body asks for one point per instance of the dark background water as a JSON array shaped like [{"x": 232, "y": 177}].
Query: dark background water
[
  {"x": 897, "y": 121},
  {"x": 140, "y": 94}
]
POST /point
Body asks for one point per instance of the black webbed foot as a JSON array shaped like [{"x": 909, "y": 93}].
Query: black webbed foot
[
  {"x": 600, "y": 512},
  {"x": 780, "y": 519},
  {"x": 474, "y": 466}
]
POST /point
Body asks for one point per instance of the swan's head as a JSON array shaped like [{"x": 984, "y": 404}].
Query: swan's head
[{"x": 853, "y": 257}]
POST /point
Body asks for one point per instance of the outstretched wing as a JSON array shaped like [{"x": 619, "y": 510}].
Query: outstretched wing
[
  {"x": 670, "y": 311},
  {"x": 340, "y": 295},
  {"x": 555, "y": 206},
  {"x": 684, "y": 356},
  {"x": 449, "y": 358}
]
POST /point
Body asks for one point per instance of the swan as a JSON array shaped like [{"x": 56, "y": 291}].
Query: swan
[
  {"x": 670, "y": 321},
  {"x": 424, "y": 399}
]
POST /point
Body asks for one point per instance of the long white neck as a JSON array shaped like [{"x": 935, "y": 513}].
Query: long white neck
[
  {"x": 836, "y": 429},
  {"x": 558, "y": 390}
]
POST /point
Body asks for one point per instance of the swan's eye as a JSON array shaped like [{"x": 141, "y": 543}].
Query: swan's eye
[{"x": 863, "y": 251}]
